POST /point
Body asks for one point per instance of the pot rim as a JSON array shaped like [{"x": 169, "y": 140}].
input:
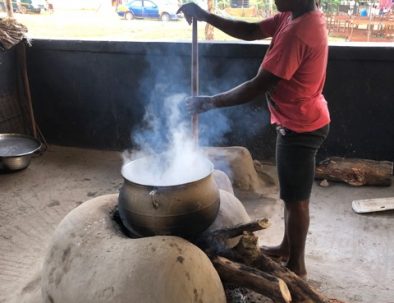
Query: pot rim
[{"x": 210, "y": 170}]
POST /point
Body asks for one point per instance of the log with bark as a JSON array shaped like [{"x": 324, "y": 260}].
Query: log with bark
[
  {"x": 251, "y": 278},
  {"x": 356, "y": 172},
  {"x": 247, "y": 266},
  {"x": 216, "y": 241}
]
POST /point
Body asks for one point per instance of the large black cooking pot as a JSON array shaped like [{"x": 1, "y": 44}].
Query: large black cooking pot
[{"x": 184, "y": 209}]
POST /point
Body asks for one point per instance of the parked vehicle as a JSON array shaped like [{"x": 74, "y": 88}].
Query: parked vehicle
[
  {"x": 24, "y": 6},
  {"x": 163, "y": 10}
]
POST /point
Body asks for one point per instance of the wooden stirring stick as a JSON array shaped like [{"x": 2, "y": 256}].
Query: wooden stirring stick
[{"x": 195, "y": 79}]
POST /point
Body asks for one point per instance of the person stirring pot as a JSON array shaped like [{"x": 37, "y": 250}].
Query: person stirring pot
[{"x": 291, "y": 76}]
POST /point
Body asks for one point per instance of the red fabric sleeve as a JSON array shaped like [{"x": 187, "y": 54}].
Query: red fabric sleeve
[
  {"x": 269, "y": 25},
  {"x": 285, "y": 56}
]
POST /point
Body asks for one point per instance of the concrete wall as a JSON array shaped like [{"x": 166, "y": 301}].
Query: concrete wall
[{"x": 93, "y": 94}]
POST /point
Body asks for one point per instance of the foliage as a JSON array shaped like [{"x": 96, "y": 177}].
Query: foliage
[
  {"x": 330, "y": 6},
  {"x": 222, "y": 4}
]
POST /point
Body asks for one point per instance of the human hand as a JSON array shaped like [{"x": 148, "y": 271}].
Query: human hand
[
  {"x": 199, "y": 104},
  {"x": 192, "y": 10}
]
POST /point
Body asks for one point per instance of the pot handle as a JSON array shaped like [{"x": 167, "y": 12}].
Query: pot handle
[{"x": 155, "y": 202}]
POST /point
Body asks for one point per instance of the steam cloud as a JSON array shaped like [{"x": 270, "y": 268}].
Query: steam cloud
[
  {"x": 167, "y": 154},
  {"x": 163, "y": 142}
]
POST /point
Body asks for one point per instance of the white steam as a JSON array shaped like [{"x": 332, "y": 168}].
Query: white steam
[{"x": 173, "y": 161}]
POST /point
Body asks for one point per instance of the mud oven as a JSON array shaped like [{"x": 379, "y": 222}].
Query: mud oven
[{"x": 165, "y": 243}]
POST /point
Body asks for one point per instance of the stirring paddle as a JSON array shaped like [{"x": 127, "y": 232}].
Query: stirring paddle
[{"x": 195, "y": 79}]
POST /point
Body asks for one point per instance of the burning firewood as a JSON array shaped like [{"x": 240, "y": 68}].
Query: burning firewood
[
  {"x": 253, "y": 269},
  {"x": 252, "y": 278},
  {"x": 220, "y": 237}
]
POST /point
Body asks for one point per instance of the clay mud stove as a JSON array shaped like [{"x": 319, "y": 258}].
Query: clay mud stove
[{"x": 216, "y": 260}]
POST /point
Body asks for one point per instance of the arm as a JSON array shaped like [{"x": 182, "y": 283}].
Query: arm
[
  {"x": 237, "y": 29},
  {"x": 240, "y": 94}
]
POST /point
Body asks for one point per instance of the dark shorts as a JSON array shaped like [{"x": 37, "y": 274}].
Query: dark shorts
[{"x": 295, "y": 161}]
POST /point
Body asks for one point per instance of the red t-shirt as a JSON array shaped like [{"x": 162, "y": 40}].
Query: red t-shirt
[{"x": 298, "y": 55}]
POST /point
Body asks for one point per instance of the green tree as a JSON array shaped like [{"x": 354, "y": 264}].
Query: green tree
[{"x": 330, "y": 6}]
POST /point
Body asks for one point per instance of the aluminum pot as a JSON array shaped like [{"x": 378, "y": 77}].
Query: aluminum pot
[
  {"x": 16, "y": 151},
  {"x": 184, "y": 210}
]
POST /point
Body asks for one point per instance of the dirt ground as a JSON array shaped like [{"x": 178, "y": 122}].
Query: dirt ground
[
  {"x": 84, "y": 24},
  {"x": 107, "y": 26},
  {"x": 349, "y": 256}
]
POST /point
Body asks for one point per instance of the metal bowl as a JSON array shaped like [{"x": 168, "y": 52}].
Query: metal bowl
[{"x": 16, "y": 151}]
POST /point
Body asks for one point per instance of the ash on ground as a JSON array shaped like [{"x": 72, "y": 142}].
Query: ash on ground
[{"x": 243, "y": 295}]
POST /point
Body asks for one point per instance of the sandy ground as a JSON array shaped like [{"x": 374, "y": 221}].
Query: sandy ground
[
  {"x": 80, "y": 24},
  {"x": 108, "y": 26},
  {"x": 349, "y": 256}
]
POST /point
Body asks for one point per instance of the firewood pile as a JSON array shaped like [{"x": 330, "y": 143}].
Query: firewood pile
[
  {"x": 245, "y": 267},
  {"x": 11, "y": 33}
]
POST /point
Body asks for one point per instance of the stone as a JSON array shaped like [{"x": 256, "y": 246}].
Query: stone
[
  {"x": 324, "y": 183},
  {"x": 90, "y": 260}
]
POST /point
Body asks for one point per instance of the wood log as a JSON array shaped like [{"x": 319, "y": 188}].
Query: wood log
[
  {"x": 238, "y": 230},
  {"x": 356, "y": 172},
  {"x": 248, "y": 253},
  {"x": 254, "y": 279},
  {"x": 213, "y": 243}
]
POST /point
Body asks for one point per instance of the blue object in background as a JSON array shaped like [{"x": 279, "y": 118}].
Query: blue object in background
[{"x": 148, "y": 9}]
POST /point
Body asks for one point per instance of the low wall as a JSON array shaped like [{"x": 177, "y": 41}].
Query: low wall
[{"x": 94, "y": 94}]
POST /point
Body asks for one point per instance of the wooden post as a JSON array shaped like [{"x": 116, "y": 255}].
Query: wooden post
[
  {"x": 21, "y": 51},
  {"x": 209, "y": 29},
  {"x": 9, "y": 9}
]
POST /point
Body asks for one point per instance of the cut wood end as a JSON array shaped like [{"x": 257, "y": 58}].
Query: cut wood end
[
  {"x": 284, "y": 290},
  {"x": 264, "y": 223}
]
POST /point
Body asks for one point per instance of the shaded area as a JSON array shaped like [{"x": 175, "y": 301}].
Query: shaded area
[{"x": 93, "y": 94}]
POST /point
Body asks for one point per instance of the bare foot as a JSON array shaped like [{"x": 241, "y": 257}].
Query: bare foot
[
  {"x": 278, "y": 253},
  {"x": 298, "y": 269}
]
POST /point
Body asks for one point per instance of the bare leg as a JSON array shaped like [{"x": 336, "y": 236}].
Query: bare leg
[
  {"x": 292, "y": 248},
  {"x": 297, "y": 229},
  {"x": 295, "y": 161},
  {"x": 282, "y": 251}
]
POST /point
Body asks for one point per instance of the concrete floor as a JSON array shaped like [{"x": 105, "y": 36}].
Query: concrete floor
[{"x": 349, "y": 256}]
